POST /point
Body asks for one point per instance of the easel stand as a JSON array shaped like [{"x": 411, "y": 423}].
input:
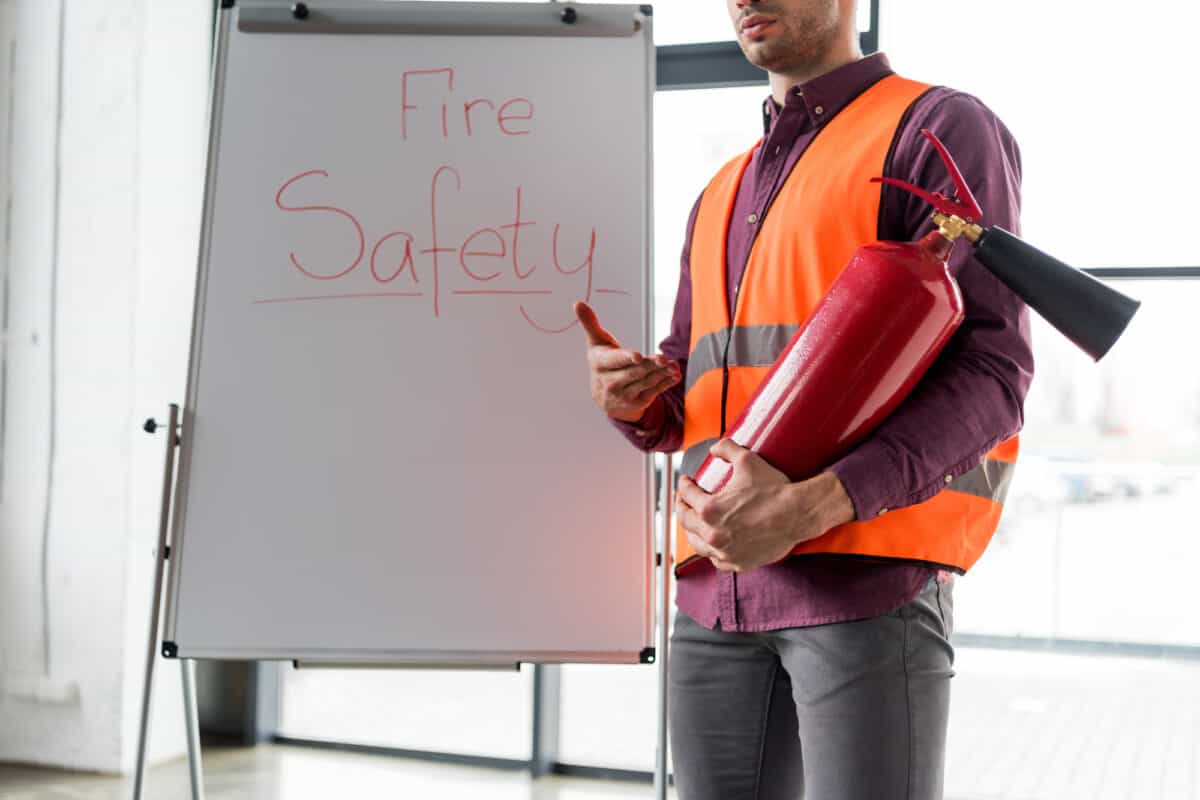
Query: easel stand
[
  {"x": 665, "y": 565},
  {"x": 188, "y": 667}
]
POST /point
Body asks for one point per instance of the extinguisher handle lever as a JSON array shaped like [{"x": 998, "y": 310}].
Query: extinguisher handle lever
[{"x": 963, "y": 205}]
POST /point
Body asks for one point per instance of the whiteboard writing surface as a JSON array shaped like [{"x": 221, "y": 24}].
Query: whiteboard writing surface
[{"x": 390, "y": 453}]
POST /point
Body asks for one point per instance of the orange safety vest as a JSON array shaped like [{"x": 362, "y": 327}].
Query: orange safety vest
[{"x": 826, "y": 209}]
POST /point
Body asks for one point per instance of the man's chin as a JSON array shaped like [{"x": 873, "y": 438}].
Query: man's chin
[{"x": 760, "y": 55}]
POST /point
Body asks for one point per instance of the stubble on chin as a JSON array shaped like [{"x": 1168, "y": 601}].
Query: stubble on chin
[{"x": 803, "y": 45}]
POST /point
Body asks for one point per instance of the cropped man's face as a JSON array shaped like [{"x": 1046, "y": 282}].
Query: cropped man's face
[{"x": 784, "y": 35}]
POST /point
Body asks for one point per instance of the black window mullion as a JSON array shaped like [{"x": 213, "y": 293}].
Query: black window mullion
[{"x": 1138, "y": 273}]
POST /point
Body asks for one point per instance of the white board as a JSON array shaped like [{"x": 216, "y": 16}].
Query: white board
[{"x": 390, "y": 453}]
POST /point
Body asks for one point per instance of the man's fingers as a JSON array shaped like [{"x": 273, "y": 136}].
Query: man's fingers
[
  {"x": 651, "y": 380},
  {"x": 654, "y": 390},
  {"x": 595, "y": 332},
  {"x": 609, "y": 359},
  {"x": 728, "y": 450},
  {"x": 689, "y": 519},
  {"x": 691, "y": 494},
  {"x": 664, "y": 361},
  {"x": 706, "y": 550},
  {"x": 698, "y": 532}
]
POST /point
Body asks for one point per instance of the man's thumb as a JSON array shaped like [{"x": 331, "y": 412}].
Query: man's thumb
[{"x": 596, "y": 335}]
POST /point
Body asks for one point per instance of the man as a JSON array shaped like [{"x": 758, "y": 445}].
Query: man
[{"x": 824, "y": 677}]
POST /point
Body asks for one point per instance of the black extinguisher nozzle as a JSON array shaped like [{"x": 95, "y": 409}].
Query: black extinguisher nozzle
[{"x": 1090, "y": 313}]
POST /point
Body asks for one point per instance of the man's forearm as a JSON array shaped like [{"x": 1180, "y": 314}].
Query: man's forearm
[{"x": 942, "y": 431}]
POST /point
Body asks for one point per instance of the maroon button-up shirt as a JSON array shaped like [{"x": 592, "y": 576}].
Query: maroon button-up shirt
[{"x": 969, "y": 401}]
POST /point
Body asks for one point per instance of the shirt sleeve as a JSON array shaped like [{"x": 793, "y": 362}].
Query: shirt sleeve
[
  {"x": 661, "y": 427},
  {"x": 972, "y": 397}
]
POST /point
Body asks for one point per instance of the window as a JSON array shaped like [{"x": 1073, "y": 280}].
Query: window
[
  {"x": 1086, "y": 585},
  {"x": 1099, "y": 528},
  {"x": 1111, "y": 447},
  {"x": 485, "y": 714},
  {"x": 689, "y": 21},
  {"x": 695, "y": 132},
  {"x": 609, "y": 716},
  {"x": 1095, "y": 98}
]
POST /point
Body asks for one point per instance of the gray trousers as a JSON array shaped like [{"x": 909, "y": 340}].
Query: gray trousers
[{"x": 846, "y": 711}]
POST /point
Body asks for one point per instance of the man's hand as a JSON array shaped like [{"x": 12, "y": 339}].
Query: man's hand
[
  {"x": 624, "y": 382},
  {"x": 759, "y": 516}
]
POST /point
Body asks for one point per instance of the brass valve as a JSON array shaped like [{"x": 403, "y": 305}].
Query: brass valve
[{"x": 953, "y": 226}]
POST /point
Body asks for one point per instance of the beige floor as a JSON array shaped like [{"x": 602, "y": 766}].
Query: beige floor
[
  {"x": 1024, "y": 726},
  {"x": 291, "y": 773}
]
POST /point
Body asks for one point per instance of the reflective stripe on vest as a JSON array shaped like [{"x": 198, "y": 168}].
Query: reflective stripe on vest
[{"x": 826, "y": 209}]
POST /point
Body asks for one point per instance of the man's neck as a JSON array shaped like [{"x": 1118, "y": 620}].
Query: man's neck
[{"x": 781, "y": 82}]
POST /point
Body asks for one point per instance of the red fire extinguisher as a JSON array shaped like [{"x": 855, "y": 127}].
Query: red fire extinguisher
[{"x": 882, "y": 324}]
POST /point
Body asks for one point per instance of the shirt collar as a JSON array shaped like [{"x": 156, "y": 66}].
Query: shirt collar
[{"x": 824, "y": 96}]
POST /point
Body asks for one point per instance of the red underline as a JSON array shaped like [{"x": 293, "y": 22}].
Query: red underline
[
  {"x": 337, "y": 297},
  {"x": 367, "y": 295},
  {"x": 500, "y": 291}
]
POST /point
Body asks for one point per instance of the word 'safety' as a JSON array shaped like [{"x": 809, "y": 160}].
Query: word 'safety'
[{"x": 494, "y": 260}]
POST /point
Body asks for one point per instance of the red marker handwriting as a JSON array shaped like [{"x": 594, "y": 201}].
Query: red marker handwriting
[
  {"x": 516, "y": 229},
  {"x": 428, "y": 104},
  {"x": 406, "y": 263},
  {"x": 330, "y": 209},
  {"x": 587, "y": 264},
  {"x": 484, "y": 257},
  {"x": 435, "y": 250}
]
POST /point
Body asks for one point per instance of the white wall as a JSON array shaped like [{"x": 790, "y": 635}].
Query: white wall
[
  {"x": 100, "y": 285},
  {"x": 171, "y": 142}
]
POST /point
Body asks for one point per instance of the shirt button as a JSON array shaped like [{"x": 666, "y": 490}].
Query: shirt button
[
  {"x": 778, "y": 147},
  {"x": 949, "y": 479},
  {"x": 752, "y": 219},
  {"x": 819, "y": 110},
  {"x": 882, "y": 511}
]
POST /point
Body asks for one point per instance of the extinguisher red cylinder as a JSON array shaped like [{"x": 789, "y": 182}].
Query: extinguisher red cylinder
[{"x": 866, "y": 345}]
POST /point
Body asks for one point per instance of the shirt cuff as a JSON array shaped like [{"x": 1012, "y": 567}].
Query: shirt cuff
[
  {"x": 647, "y": 430},
  {"x": 871, "y": 479}
]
